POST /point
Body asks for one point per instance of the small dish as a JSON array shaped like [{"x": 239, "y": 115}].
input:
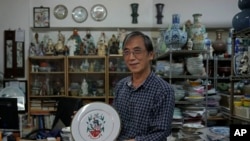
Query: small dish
[
  {"x": 98, "y": 12},
  {"x": 96, "y": 121}
]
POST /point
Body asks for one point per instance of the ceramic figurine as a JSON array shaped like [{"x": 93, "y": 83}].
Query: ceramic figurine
[
  {"x": 244, "y": 68},
  {"x": 89, "y": 44},
  {"x": 113, "y": 45},
  {"x": 121, "y": 36},
  {"x": 59, "y": 48},
  {"x": 190, "y": 44},
  {"x": 50, "y": 47},
  {"x": 71, "y": 44},
  {"x": 84, "y": 87},
  {"x": 101, "y": 49},
  {"x": 85, "y": 66},
  {"x": 77, "y": 39},
  {"x": 61, "y": 37}
]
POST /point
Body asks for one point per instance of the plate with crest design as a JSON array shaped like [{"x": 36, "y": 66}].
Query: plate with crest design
[{"x": 96, "y": 121}]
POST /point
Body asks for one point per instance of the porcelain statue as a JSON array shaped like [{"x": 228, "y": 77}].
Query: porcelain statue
[
  {"x": 84, "y": 87},
  {"x": 71, "y": 44}
]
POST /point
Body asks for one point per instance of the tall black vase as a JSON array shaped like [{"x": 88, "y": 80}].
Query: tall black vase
[
  {"x": 241, "y": 20},
  {"x": 134, "y": 14},
  {"x": 159, "y": 10}
]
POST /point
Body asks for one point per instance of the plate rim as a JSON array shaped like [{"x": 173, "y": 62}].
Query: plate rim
[
  {"x": 92, "y": 12},
  {"x": 86, "y": 14},
  {"x": 66, "y": 11},
  {"x": 100, "y": 105}
]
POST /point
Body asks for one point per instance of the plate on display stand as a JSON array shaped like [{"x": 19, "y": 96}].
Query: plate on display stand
[{"x": 96, "y": 121}]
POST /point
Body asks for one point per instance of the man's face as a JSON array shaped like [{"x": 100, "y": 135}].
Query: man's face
[{"x": 136, "y": 57}]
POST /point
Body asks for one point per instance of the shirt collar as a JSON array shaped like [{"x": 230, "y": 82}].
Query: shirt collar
[{"x": 144, "y": 84}]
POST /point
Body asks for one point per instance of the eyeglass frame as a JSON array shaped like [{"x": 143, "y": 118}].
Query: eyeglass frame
[{"x": 137, "y": 51}]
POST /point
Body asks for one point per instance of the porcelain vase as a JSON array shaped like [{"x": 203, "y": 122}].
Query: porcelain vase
[
  {"x": 160, "y": 45},
  {"x": 219, "y": 44},
  {"x": 198, "y": 32},
  {"x": 175, "y": 38}
]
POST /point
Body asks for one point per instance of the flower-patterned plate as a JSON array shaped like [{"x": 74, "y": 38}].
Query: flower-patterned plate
[{"x": 96, "y": 121}]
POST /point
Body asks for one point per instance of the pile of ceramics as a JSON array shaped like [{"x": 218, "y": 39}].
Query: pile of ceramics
[{"x": 195, "y": 65}]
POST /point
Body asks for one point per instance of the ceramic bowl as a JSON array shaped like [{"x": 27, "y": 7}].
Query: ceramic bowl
[
  {"x": 179, "y": 95},
  {"x": 100, "y": 90},
  {"x": 44, "y": 69},
  {"x": 212, "y": 112},
  {"x": 195, "y": 70},
  {"x": 246, "y": 103},
  {"x": 100, "y": 83},
  {"x": 194, "y": 83},
  {"x": 237, "y": 103},
  {"x": 195, "y": 98}
]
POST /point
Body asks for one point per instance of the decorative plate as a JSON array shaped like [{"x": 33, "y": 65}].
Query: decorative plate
[
  {"x": 96, "y": 121},
  {"x": 60, "y": 11},
  {"x": 98, "y": 12},
  {"x": 220, "y": 130},
  {"x": 14, "y": 92},
  {"x": 79, "y": 14}
]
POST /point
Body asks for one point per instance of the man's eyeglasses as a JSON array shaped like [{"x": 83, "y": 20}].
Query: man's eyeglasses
[{"x": 135, "y": 52}]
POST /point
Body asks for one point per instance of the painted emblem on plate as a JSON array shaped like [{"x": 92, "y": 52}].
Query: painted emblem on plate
[{"x": 95, "y": 125}]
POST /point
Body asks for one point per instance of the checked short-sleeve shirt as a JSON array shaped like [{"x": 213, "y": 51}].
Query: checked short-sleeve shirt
[{"x": 146, "y": 112}]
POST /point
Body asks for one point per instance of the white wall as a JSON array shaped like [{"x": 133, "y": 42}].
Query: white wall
[{"x": 19, "y": 14}]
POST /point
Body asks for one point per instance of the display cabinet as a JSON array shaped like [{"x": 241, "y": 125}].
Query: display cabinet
[
  {"x": 46, "y": 82},
  {"x": 117, "y": 70},
  {"x": 86, "y": 77}
]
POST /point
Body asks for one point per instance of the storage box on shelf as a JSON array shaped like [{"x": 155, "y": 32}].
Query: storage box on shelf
[{"x": 243, "y": 112}]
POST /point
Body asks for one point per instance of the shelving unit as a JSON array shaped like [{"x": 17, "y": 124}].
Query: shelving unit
[
  {"x": 172, "y": 55},
  {"x": 238, "y": 113}
]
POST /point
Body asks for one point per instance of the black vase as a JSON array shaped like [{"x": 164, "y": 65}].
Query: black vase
[
  {"x": 134, "y": 14},
  {"x": 159, "y": 9},
  {"x": 241, "y": 20},
  {"x": 244, "y": 4}
]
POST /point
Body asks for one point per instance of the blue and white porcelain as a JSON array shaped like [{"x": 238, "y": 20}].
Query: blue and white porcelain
[{"x": 175, "y": 38}]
